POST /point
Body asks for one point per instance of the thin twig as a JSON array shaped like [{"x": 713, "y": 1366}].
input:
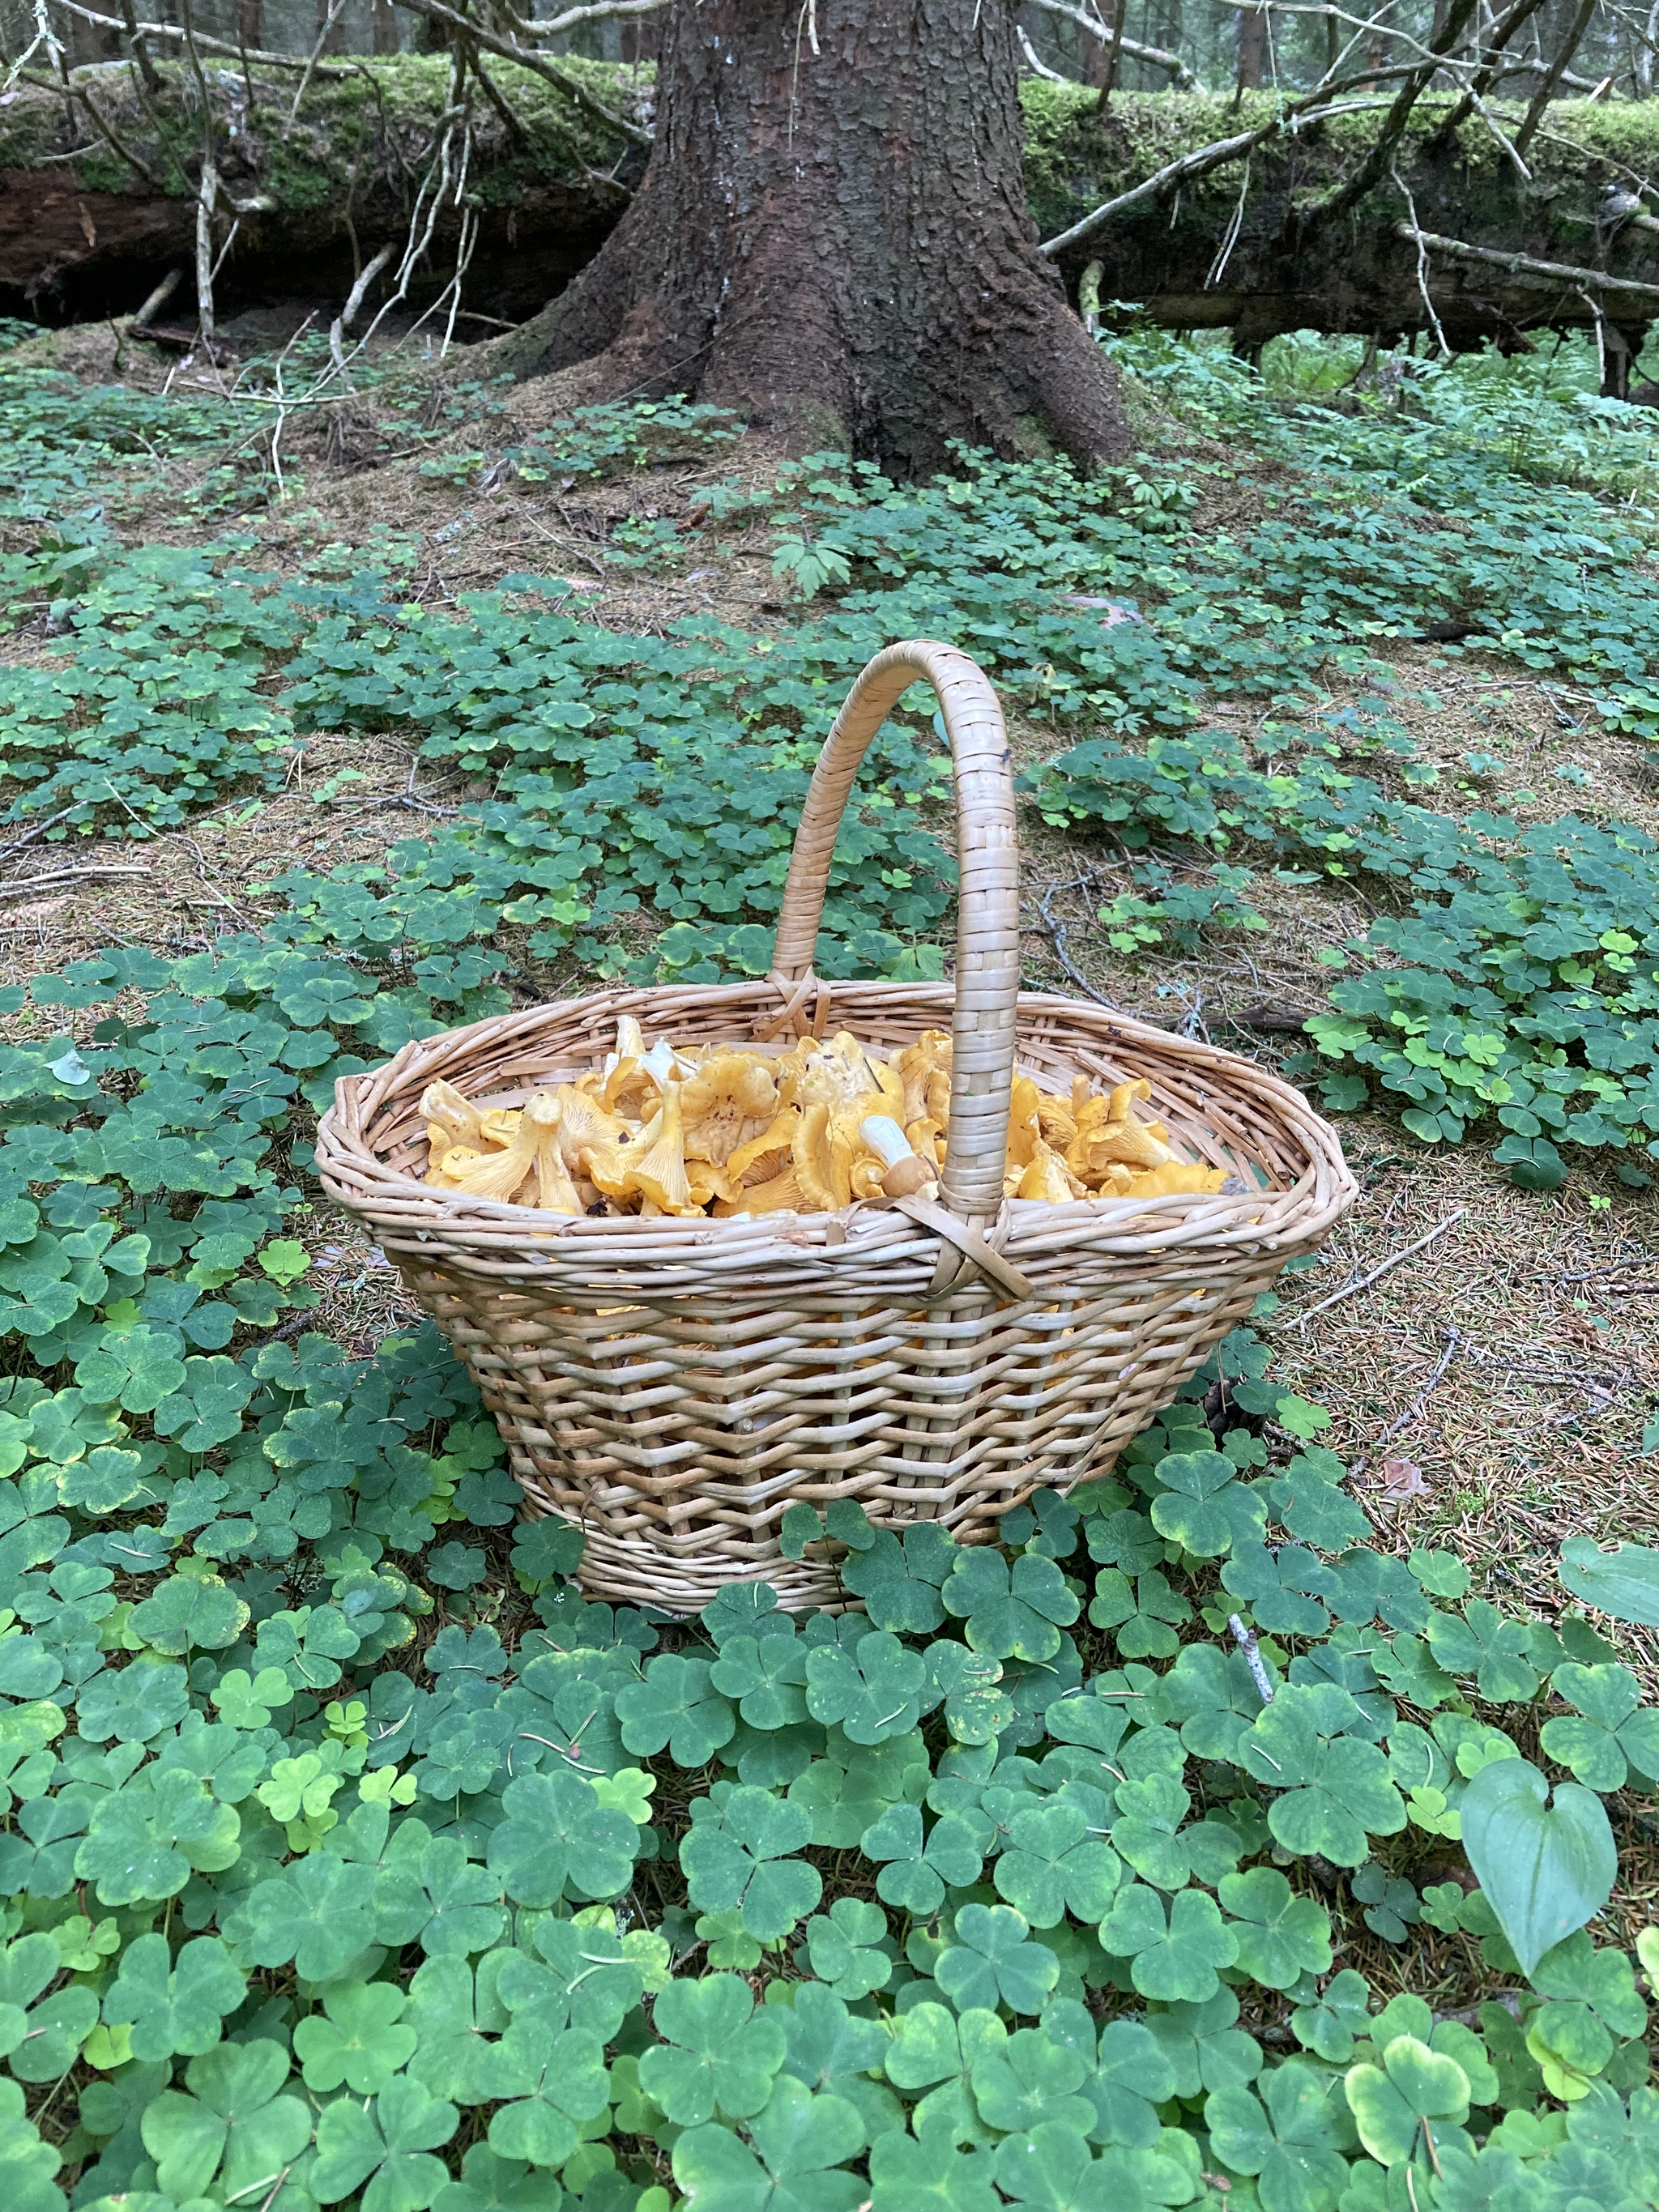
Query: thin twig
[
  {"x": 1054, "y": 930},
  {"x": 1245, "y": 1640},
  {"x": 53, "y": 876},
  {"x": 1375, "y": 1274},
  {"x": 1413, "y": 1411}
]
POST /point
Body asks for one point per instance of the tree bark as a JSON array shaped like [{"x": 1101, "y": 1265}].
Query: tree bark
[{"x": 837, "y": 243}]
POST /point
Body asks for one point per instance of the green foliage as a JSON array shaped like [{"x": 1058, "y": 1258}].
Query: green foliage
[{"x": 353, "y": 1855}]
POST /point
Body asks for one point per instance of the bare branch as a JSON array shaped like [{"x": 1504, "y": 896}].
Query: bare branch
[
  {"x": 1154, "y": 56},
  {"x": 205, "y": 45},
  {"x": 1523, "y": 264},
  {"x": 1379, "y": 158},
  {"x": 572, "y": 88},
  {"x": 1545, "y": 92},
  {"x": 1034, "y": 60},
  {"x": 1203, "y": 159},
  {"x": 598, "y": 12}
]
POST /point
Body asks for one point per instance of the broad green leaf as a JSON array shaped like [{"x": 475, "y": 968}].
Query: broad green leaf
[
  {"x": 1414, "y": 2089},
  {"x": 1545, "y": 1869}
]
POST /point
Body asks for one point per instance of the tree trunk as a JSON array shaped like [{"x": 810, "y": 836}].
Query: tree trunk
[
  {"x": 837, "y": 243},
  {"x": 1252, "y": 46}
]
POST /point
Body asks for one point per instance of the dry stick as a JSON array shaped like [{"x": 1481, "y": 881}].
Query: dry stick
[
  {"x": 576, "y": 92},
  {"x": 1203, "y": 159},
  {"x": 599, "y": 12},
  {"x": 1523, "y": 264},
  {"x": 1034, "y": 60},
  {"x": 1422, "y": 263},
  {"x": 106, "y": 131},
  {"x": 1545, "y": 92},
  {"x": 1500, "y": 34},
  {"x": 342, "y": 321},
  {"x": 211, "y": 45},
  {"x": 1245, "y": 1640},
  {"x": 1154, "y": 56},
  {"x": 1413, "y": 1411},
  {"x": 157, "y": 299},
  {"x": 207, "y": 192},
  {"x": 336, "y": 10},
  {"x": 140, "y": 50},
  {"x": 53, "y": 876},
  {"x": 1375, "y": 1274},
  {"x": 1379, "y": 156}
]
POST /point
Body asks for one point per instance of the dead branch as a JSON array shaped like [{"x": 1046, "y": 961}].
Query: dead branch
[
  {"x": 1545, "y": 92},
  {"x": 207, "y": 45},
  {"x": 599, "y": 11},
  {"x": 573, "y": 89},
  {"x": 1523, "y": 264},
  {"x": 1154, "y": 56},
  {"x": 1379, "y": 157}
]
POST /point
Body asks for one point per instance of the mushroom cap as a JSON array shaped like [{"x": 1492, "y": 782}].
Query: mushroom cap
[
  {"x": 823, "y": 1160},
  {"x": 732, "y": 1097}
]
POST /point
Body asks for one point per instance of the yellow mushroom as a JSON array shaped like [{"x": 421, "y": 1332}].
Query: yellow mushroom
[
  {"x": 1177, "y": 1176},
  {"x": 823, "y": 1163},
  {"x": 451, "y": 1120},
  {"x": 1047, "y": 1178},
  {"x": 1024, "y": 1134},
  {"x": 555, "y": 1192},
  {"x": 448, "y": 1165},
  {"x": 583, "y": 1124},
  {"x": 495, "y": 1175},
  {"x": 654, "y": 1167},
  {"x": 918, "y": 1067},
  {"x": 732, "y": 1097},
  {"x": 762, "y": 1157},
  {"x": 926, "y": 1138},
  {"x": 781, "y": 1193}
]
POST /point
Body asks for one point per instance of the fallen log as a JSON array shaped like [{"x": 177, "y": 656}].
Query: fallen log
[{"x": 99, "y": 200}]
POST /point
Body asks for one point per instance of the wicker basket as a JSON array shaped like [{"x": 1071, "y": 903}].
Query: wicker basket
[{"x": 673, "y": 1386}]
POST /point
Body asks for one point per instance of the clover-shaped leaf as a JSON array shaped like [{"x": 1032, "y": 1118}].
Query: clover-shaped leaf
[
  {"x": 719, "y": 2055},
  {"x": 1291, "y": 2136},
  {"x": 319, "y": 1912},
  {"x": 1055, "y": 1863},
  {"x": 1143, "y": 1618},
  {"x": 233, "y": 2123},
  {"x": 1149, "y": 1834},
  {"x": 185, "y": 1613},
  {"x": 873, "y": 1690},
  {"x": 390, "y": 2138},
  {"x": 930, "y": 2176},
  {"x": 1335, "y": 1791},
  {"x": 1126, "y": 1540},
  {"x": 359, "y": 2041},
  {"x": 990, "y": 1962},
  {"x": 918, "y": 1868},
  {"x": 1330, "y": 2027},
  {"x": 1173, "y": 1954},
  {"x": 1481, "y": 1642},
  {"x": 554, "y": 2083},
  {"x": 174, "y": 2006},
  {"x": 978, "y": 1704},
  {"x": 1611, "y": 1730},
  {"x": 1029, "y": 2079},
  {"x": 849, "y": 1947},
  {"x": 1193, "y": 1506},
  {"x": 899, "y": 1582},
  {"x": 1202, "y": 2045},
  {"x": 1012, "y": 1612},
  {"x": 675, "y": 1708},
  {"x": 933, "y": 2051},
  {"x": 1280, "y": 1936},
  {"x": 804, "y": 2142},
  {"x": 557, "y": 1840},
  {"x": 1282, "y": 1589},
  {"x": 589, "y": 1978},
  {"x": 739, "y": 1857},
  {"x": 766, "y": 1674},
  {"x": 1397, "y": 2105}
]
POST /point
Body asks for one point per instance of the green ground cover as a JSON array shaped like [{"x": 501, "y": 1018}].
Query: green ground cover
[{"x": 351, "y": 1855}]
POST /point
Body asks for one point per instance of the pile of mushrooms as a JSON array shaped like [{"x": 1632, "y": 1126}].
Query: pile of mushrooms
[{"x": 718, "y": 1130}]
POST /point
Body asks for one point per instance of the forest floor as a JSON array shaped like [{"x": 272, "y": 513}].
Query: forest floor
[{"x": 1486, "y": 1353}]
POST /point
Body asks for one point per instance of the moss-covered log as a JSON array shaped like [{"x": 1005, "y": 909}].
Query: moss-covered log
[{"x": 98, "y": 201}]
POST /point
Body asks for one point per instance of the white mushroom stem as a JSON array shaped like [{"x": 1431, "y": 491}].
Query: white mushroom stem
[{"x": 886, "y": 1140}]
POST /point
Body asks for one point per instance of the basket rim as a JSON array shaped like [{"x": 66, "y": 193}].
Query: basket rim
[{"x": 355, "y": 1176}]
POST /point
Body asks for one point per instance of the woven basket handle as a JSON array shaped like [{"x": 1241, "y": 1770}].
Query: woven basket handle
[{"x": 988, "y": 925}]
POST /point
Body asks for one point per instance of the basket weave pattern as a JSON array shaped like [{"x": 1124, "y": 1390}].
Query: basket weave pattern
[{"x": 673, "y": 1386}]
